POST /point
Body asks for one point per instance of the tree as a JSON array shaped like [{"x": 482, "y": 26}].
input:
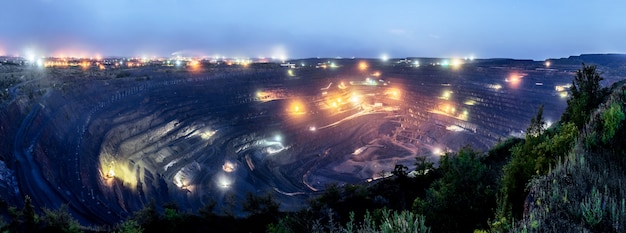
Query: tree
[
  {"x": 586, "y": 96},
  {"x": 59, "y": 220},
  {"x": 265, "y": 204},
  {"x": 400, "y": 171},
  {"x": 422, "y": 165},
  {"x": 534, "y": 157},
  {"x": 148, "y": 215},
  {"x": 462, "y": 200},
  {"x": 28, "y": 212},
  {"x": 537, "y": 124}
]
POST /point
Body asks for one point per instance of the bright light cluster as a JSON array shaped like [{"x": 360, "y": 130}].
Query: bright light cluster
[
  {"x": 117, "y": 170},
  {"x": 363, "y": 65},
  {"x": 296, "y": 107},
  {"x": 393, "y": 93},
  {"x": 229, "y": 167}
]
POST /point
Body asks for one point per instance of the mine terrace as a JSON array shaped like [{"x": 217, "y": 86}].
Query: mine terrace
[{"x": 107, "y": 135}]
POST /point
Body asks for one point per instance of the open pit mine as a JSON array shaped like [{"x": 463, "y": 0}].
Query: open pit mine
[{"x": 108, "y": 146}]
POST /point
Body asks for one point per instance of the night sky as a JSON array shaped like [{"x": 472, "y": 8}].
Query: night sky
[{"x": 535, "y": 29}]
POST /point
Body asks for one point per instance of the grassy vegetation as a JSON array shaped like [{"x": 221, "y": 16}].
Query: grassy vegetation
[{"x": 566, "y": 178}]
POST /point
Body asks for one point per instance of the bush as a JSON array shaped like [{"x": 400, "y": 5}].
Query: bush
[
  {"x": 591, "y": 208},
  {"x": 404, "y": 221},
  {"x": 465, "y": 194},
  {"x": 611, "y": 121}
]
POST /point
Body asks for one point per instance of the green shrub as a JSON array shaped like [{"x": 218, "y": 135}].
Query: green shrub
[
  {"x": 611, "y": 121},
  {"x": 404, "y": 221},
  {"x": 130, "y": 226},
  {"x": 465, "y": 194},
  {"x": 390, "y": 221},
  {"x": 591, "y": 208}
]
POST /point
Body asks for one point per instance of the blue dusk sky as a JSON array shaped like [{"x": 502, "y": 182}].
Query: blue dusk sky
[{"x": 531, "y": 29}]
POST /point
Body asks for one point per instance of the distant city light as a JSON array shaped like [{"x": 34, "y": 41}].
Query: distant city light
[
  {"x": 445, "y": 63},
  {"x": 456, "y": 63},
  {"x": 384, "y": 57}
]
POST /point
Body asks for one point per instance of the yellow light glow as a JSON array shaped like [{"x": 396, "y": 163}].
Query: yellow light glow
[
  {"x": 456, "y": 63},
  {"x": 111, "y": 170},
  {"x": 296, "y": 107},
  {"x": 446, "y": 95},
  {"x": 437, "y": 151},
  {"x": 495, "y": 86},
  {"x": 514, "y": 80},
  {"x": 111, "y": 173},
  {"x": 228, "y": 167},
  {"x": 207, "y": 134},
  {"x": 355, "y": 99},
  {"x": 363, "y": 65},
  {"x": 342, "y": 86},
  {"x": 393, "y": 93},
  {"x": 194, "y": 66}
]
